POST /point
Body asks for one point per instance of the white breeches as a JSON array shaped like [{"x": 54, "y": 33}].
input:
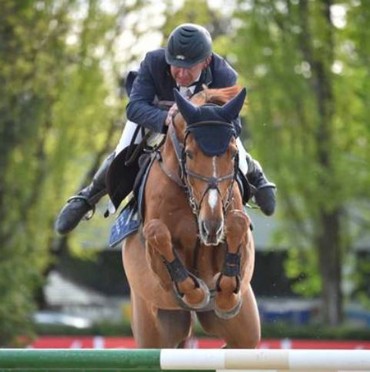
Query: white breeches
[
  {"x": 126, "y": 136},
  {"x": 128, "y": 133}
]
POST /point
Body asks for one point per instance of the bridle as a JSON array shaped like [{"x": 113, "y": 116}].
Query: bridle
[{"x": 186, "y": 173}]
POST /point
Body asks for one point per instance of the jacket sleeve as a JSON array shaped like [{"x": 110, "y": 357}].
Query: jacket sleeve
[
  {"x": 141, "y": 109},
  {"x": 223, "y": 74}
]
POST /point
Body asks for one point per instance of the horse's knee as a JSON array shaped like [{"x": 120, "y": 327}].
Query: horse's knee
[
  {"x": 237, "y": 222},
  {"x": 156, "y": 231},
  {"x": 158, "y": 237},
  {"x": 237, "y": 226}
]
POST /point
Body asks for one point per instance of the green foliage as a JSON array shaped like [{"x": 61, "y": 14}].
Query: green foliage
[
  {"x": 58, "y": 108},
  {"x": 314, "y": 332},
  {"x": 309, "y": 104},
  {"x": 119, "y": 329},
  {"x": 192, "y": 11},
  {"x": 24, "y": 120},
  {"x": 18, "y": 282}
]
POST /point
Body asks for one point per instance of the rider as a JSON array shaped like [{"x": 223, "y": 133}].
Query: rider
[{"x": 187, "y": 63}]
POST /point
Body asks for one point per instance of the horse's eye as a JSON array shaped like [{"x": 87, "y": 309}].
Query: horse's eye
[{"x": 189, "y": 154}]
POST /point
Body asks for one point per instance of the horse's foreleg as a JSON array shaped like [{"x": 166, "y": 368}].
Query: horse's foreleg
[
  {"x": 192, "y": 292},
  {"x": 228, "y": 299},
  {"x": 243, "y": 330}
]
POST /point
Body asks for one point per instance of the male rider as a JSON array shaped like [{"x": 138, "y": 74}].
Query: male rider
[{"x": 186, "y": 64}]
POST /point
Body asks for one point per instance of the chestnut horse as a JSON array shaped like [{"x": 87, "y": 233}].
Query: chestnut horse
[{"x": 195, "y": 252}]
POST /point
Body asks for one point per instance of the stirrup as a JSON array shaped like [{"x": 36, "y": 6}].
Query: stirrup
[{"x": 89, "y": 214}]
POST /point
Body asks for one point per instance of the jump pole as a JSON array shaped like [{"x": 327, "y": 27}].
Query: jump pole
[
  {"x": 219, "y": 360},
  {"x": 271, "y": 360}
]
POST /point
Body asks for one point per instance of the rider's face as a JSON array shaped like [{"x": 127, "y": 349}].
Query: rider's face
[{"x": 187, "y": 76}]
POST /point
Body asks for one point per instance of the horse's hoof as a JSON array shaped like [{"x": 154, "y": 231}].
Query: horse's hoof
[
  {"x": 229, "y": 314},
  {"x": 201, "y": 305},
  {"x": 207, "y": 296}
]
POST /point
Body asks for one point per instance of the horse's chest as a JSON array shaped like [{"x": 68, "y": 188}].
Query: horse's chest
[
  {"x": 210, "y": 259},
  {"x": 203, "y": 261}
]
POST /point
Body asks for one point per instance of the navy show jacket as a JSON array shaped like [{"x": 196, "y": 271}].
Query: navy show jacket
[{"x": 154, "y": 80}]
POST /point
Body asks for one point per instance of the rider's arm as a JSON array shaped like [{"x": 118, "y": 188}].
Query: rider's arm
[{"x": 141, "y": 108}]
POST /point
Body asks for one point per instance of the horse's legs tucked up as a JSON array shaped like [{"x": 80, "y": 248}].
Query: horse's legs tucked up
[
  {"x": 194, "y": 293},
  {"x": 228, "y": 299},
  {"x": 157, "y": 328}
]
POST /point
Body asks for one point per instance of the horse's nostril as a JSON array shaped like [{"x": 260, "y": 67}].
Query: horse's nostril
[
  {"x": 204, "y": 229},
  {"x": 211, "y": 232}
]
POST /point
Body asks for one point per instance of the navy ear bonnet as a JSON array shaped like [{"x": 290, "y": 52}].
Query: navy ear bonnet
[
  {"x": 211, "y": 125},
  {"x": 212, "y": 138}
]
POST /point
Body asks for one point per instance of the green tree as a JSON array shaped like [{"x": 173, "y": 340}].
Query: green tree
[
  {"x": 25, "y": 121},
  {"x": 308, "y": 130},
  {"x": 58, "y": 110},
  {"x": 61, "y": 66}
]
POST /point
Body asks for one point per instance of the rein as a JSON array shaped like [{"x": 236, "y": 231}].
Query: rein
[
  {"x": 212, "y": 182},
  {"x": 185, "y": 173},
  {"x": 178, "y": 151}
]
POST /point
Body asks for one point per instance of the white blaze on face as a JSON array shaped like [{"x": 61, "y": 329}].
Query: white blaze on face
[{"x": 213, "y": 194}]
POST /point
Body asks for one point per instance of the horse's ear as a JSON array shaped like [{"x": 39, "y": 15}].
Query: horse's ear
[
  {"x": 186, "y": 108},
  {"x": 231, "y": 109}
]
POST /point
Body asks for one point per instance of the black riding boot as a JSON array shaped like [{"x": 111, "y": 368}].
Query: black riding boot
[
  {"x": 264, "y": 193},
  {"x": 77, "y": 206}
]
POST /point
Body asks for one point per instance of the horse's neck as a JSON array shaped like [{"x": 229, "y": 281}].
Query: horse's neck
[{"x": 169, "y": 156}]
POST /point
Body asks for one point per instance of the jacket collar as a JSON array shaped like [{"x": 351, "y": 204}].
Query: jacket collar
[{"x": 205, "y": 78}]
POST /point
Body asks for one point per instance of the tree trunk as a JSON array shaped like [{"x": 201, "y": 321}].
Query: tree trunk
[
  {"x": 328, "y": 236},
  {"x": 329, "y": 253}
]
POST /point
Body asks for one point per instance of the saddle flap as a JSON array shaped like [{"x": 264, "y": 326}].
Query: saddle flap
[
  {"x": 120, "y": 178},
  {"x": 126, "y": 223}
]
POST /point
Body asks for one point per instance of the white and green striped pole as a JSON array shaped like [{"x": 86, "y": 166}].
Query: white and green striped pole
[
  {"x": 218, "y": 360},
  {"x": 265, "y": 360}
]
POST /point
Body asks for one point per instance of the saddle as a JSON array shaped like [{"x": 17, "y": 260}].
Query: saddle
[{"x": 131, "y": 216}]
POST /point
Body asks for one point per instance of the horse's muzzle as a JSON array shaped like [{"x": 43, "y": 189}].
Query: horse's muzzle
[{"x": 211, "y": 231}]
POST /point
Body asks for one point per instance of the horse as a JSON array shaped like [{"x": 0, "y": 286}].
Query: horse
[{"x": 193, "y": 256}]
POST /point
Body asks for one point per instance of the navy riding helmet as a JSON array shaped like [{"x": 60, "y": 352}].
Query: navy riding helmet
[{"x": 188, "y": 44}]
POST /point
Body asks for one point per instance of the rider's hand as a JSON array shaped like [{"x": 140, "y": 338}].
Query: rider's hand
[{"x": 171, "y": 114}]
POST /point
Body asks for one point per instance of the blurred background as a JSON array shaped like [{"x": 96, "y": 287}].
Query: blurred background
[{"x": 306, "y": 66}]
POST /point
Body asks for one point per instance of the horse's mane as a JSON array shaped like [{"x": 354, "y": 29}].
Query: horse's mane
[{"x": 219, "y": 96}]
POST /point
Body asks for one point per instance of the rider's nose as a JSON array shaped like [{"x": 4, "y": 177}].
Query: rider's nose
[{"x": 182, "y": 72}]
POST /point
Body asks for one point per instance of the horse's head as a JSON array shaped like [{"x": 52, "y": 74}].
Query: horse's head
[{"x": 209, "y": 159}]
